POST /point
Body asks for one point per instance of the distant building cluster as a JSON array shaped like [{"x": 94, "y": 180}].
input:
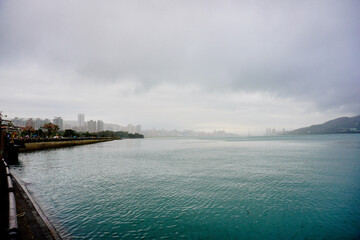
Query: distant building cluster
[
  {"x": 35, "y": 123},
  {"x": 273, "y": 132},
  {"x": 99, "y": 126},
  {"x": 89, "y": 126},
  {"x": 185, "y": 133},
  {"x": 80, "y": 125}
]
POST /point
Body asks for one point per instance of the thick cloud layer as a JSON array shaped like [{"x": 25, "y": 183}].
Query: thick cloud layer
[{"x": 304, "y": 52}]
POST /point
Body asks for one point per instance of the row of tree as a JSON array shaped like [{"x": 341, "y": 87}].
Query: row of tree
[
  {"x": 111, "y": 134},
  {"x": 51, "y": 130},
  {"x": 48, "y": 130}
]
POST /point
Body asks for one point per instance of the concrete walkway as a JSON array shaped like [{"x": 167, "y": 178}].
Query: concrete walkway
[{"x": 32, "y": 224}]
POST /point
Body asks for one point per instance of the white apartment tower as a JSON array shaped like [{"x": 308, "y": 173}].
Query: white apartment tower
[
  {"x": 91, "y": 126},
  {"x": 59, "y": 121},
  {"x": 99, "y": 126},
  {"x": 81, "y": 120}
]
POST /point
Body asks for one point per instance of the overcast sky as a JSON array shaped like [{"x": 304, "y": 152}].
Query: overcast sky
[{"x": 240, "y": 66}]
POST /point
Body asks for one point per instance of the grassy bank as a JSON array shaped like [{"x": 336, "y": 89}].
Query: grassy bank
[{"x": 33, "y": 146}]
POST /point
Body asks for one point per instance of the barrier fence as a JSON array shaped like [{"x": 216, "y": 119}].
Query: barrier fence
[{"x": 13, "y": 230}]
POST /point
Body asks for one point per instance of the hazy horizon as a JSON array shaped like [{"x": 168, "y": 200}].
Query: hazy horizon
[{"x": 205, "y": 65}]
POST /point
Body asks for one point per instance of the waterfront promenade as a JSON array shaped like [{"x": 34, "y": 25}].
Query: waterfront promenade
[{"x": 20, "y": 216}]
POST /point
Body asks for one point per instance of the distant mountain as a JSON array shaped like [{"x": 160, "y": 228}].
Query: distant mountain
[{"x": 338, "y": 125}]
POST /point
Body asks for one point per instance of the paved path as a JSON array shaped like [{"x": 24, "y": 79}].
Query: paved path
[{"x": 31, "y": 224}]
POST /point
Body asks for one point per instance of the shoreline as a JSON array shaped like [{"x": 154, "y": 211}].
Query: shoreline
[{"x": 34, "y": 146}]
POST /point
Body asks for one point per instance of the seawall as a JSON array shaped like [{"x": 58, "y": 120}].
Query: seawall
[{"x": 33, "y": 146}]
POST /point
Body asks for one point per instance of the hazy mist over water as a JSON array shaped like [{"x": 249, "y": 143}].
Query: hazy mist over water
[{"x": 302, "y": 187}]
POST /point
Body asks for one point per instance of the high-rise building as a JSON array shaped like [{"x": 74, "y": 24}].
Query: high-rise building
[
  {"x": 81, "y": 120},
  {"x": 20, "y": 122},
  {"x": 30, "y": 123},
  {"x": 91, "y": 126},
  {"x": 99, "y": 126},
  {"x": 60, "y": 122},
  {"x": 39, "y": 123}
]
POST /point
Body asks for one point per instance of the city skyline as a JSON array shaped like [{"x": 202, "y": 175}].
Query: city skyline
[
  {"x": 80, "y": 125},
  {"x": 98, "y": 126},
  {"x": 221, "y": 65}
]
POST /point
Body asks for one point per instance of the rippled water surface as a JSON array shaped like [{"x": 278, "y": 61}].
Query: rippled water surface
[{"x": 304, "y": 187}]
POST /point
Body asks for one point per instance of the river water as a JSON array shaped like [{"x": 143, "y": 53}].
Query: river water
[{"x": 299, "y": 187}]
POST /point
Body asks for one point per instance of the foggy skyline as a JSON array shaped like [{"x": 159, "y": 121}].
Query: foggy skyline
[{"x": 239, "y": 66}]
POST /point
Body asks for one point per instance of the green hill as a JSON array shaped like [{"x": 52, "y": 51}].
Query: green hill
[{"x": 338, "y": 125}]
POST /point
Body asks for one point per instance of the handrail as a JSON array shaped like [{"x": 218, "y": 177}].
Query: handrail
[{"x": 13, "y": 231}]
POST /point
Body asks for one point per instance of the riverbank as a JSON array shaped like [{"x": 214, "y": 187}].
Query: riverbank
[{"x": 33, "y": 146}]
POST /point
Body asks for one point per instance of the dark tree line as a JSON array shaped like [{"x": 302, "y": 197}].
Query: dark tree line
[{"x": 111, "y": 134}]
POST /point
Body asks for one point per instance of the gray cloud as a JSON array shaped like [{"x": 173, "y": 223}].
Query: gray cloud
[{"x": 306, "y": 51}]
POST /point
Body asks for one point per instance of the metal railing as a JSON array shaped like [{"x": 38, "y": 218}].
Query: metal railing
[{"x": 13, "y": 230}]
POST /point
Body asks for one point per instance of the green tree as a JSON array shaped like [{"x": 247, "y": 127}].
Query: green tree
[
  {"x": 28, "y": 130},
  {"x": 87, "y": 134},
  {"x": 50, "y": 128},
  {"x": 70, "y": 133},
  {"x": 40, "y": 132}
]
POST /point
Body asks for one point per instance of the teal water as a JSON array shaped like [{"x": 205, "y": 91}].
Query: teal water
[{"x": 303, "y": 187}]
